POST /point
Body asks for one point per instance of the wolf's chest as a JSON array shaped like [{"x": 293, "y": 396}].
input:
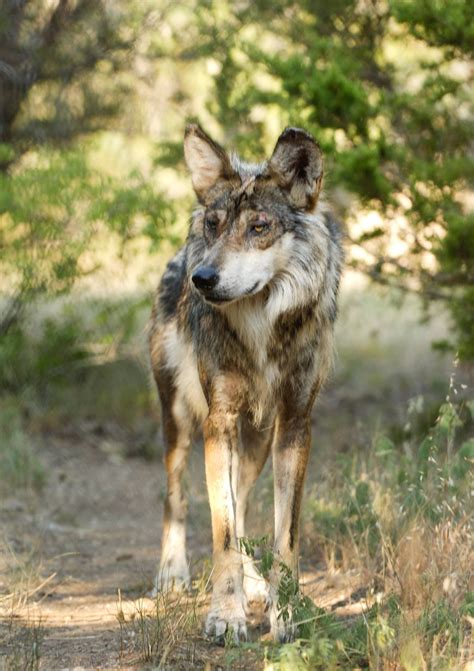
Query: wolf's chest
[
  {"x": 271, "y": 343},
  {"x": 272, "y": 348}
]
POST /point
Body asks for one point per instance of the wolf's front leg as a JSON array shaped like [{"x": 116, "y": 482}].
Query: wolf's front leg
[
  {"x": 173, "y": 573},
  {"x": 227, "y": 612},
  {"x": 256, "y": 445},
  {"x": 290, "y": 458}
]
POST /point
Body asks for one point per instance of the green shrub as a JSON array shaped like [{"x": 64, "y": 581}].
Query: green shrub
[{"x": 19, "y": 465}]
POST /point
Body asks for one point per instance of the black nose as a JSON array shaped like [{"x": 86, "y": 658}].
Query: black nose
[{"x": 205, "y": 278}]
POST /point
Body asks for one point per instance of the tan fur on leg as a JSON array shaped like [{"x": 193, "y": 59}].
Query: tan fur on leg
[
  {"x": 173, "y": 572},
  {"x": 290, "y": 458},
  {"x": 255, "y": 447},
  {"x": 222, "y": 461}
]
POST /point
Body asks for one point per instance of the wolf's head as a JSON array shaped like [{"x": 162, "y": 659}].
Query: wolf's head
[{"x": 250, "y": 217}]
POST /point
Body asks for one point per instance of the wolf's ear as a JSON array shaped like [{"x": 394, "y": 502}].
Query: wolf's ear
[
  {"x": 297, "y": 166},
  {"x": 206, "y": 160}
]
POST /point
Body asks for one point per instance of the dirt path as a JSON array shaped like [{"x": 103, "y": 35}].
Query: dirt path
[{"x": 93, "y": 531}]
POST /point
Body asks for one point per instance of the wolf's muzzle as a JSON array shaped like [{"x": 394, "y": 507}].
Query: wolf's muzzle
[{"x": 205, "y": 278}]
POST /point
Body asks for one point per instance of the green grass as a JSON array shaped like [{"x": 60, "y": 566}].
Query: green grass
[
  {"x": 84, "y": 367},
  {"x": 20, "y": 467}
]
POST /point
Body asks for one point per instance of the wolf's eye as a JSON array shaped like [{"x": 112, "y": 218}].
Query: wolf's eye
[{"x": 259, "y": 226}]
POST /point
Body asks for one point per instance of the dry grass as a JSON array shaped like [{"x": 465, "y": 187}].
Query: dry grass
[
  {"x": 21, "y": 633},
  {"x": 166, "y": 633},
  {"x": 167, "y": 626}
]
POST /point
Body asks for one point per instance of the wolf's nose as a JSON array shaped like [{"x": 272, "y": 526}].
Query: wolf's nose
[{"x": 205, "y": 278}]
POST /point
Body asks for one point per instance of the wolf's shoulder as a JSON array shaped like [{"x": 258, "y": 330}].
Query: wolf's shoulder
[
  {"x": 171, "y": 284},
  {"x": 333, "y": 225}
]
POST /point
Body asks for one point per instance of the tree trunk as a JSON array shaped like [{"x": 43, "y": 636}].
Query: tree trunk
[
  {"x": 19, "y": 65},
  {"x": 12, "y": 89}
]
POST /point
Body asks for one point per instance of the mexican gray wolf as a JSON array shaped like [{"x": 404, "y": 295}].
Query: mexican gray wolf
[{"x": 241, "y": 340}]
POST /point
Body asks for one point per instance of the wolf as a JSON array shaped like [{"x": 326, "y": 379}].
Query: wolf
[{"x": 241, "y": 341}]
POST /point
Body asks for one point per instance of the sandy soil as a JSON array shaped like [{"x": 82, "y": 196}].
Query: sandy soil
[{"x": 95, "y": 529}]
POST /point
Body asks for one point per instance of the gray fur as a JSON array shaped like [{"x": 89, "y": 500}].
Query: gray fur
[{"x": 254, "y": 349}]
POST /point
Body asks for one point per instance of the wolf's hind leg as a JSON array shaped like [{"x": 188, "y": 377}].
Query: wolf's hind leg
[
  {"x": 254, "y": 453},
  {"x": 173, "y": 571},
  {"x": 290, "y": 459}
]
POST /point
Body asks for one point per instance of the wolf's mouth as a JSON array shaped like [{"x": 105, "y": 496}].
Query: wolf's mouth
[
  {"x": 217, "y": 301},
  {"x": 221, "y": 300},
  {"x": 225, "y": 300}
]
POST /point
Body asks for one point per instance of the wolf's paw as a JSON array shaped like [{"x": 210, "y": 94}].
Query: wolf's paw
[
  {"x": 172, "y": 579},
  {"x": 226, "y": 620}
]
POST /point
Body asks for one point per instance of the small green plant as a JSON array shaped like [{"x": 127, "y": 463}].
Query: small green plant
[
  {"x": 259, "y": 546},
  {"x": 32, "y": 362},
  {"x": 404, "y": 477},
  {"x": 19, "y": 465},
  {"x": 293, "y": 606},
  {"x": 337, "y": 644}
]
